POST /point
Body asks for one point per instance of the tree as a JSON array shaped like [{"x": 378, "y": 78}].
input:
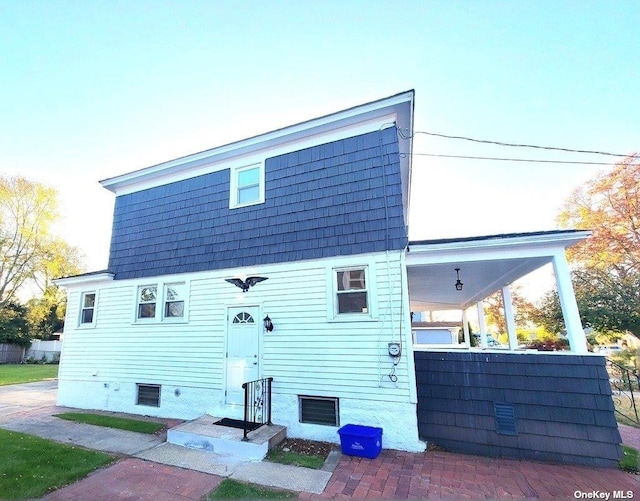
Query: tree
[
  {"x": 494, "y": 309},
  {"x": 13, "y": 325},
  {"x": 30, "y": 254},
  {"x": 607, "y": 303},
  {"x": 607, "y": 265},
  {"x": 45, "y": 314},
  {"x": 609, "y": 206}
]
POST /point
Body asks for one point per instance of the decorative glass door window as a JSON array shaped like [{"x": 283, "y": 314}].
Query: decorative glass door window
[{"x": 243, "y": 318}]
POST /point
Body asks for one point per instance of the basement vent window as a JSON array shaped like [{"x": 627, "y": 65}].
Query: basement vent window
[
  {"x": 505, "y": 419},
  {"x": 148, "y": 394},
  {"x": 319, "y": 410}
]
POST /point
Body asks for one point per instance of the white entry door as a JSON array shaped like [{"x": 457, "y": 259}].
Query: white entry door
[{"x": 243, "y": 350}]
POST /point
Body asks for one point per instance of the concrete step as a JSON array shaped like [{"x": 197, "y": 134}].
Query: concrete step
[{"x": 202, "y": 434}]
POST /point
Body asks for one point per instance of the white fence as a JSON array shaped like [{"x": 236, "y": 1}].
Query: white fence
[
  {"x": 44, "y": 350},
  {"x": 39, "y": 351}
]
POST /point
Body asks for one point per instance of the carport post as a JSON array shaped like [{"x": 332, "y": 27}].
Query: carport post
[
  {"x": 568, "y": 304},
  {"x": 509, "y": 317},
  {"x": 465, "y": 329},
  {"x": 483, "y": 327}
]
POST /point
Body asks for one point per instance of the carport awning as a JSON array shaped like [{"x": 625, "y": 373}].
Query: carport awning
[{"x": 486, "y": 264}]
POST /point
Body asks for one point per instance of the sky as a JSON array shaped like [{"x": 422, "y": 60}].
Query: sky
[{"x": 93, "y": 89}]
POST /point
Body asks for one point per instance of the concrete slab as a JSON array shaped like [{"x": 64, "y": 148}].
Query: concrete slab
[
  {"x": 282, "y": 476},
  {"x": 16, "y": 399},
  {"x": 192, "y": 459},
  {"x": 86, "y": 435},
  {"x": 203, "y": 434}
]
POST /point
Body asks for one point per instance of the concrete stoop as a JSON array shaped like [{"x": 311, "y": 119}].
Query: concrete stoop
[{"x": 202, "y": 434}]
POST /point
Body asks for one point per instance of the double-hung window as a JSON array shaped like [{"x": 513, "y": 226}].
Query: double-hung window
[
  {"x": 87, "y": 308},
  {"x": 351, "y": 291},
  {"x": 174, "y": 295},
  {"x": 147, "y": 297},
  {"x": 247, "y": 185},
  {"x": 162, "y": 302}
]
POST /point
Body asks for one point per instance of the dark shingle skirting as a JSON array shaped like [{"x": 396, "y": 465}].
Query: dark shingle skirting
[{"x": 562, "y": 405}]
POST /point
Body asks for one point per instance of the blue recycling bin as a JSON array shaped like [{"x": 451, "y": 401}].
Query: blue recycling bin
[{"x": 362, "y": 441}]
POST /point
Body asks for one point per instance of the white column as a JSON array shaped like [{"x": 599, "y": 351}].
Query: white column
[
  {"x": 483, "y": 327},
  {"x": 570, "y": 313},
  {"x": 465, "y": 329},
  {"x": 509, "y": 318}
]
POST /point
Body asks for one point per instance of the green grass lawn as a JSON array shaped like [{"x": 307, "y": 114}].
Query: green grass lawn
[
  {"x": 31, "y": 466},
  {"x": 232, "y": 489},
  {"x": 629, "y": 461},
  {"x": 150, "y": 427},
  {"x": 277, "y": 455},
  {"x": 26, "y": 373}
]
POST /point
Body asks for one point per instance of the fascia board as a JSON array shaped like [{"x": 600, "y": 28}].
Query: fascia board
[
  {"x": 401, "y": 105},
  {"x": 84, "y": 279},
  {"x": 525, "y": 246}
]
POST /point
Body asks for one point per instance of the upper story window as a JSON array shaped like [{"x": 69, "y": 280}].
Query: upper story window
[
  {"x": 162, "y": 302},
  {"x": 147, "y": 296},
  {"x": 87, "y": 308},
  {"x": 247, "y": 185},
  {"x": 351, "y": 291}
]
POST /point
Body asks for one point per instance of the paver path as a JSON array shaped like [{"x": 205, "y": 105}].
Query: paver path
[
  {"x": 436, "y": 475},
  {"x": 134, "y": 479},
  {"x": 393, "y": 475}
]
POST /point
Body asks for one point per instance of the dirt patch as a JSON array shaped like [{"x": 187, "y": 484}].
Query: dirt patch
[{"x": 306, "y": 447}]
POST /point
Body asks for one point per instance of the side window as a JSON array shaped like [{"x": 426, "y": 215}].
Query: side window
[
  {"x": 174, "y": 296},
  {"x": 87, "y": 308},
  {"x": 351, "y": 291},
  {"x": 147, "y": 296},
  {"x": 247, "y": 186}
]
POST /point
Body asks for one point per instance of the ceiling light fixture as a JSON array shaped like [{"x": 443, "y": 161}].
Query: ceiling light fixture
[{"x": 459, "y": 284}]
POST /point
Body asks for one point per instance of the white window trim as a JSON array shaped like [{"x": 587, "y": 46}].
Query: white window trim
[
  {"x": 92, "y": 324},
  {"x": 332, "y": 293},
  {"x": 160, "y": 303},
  {"x": 233, "y": 185}
]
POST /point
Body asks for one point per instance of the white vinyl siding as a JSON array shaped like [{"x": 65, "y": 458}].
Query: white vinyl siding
[{"x": 306, "y": 353}]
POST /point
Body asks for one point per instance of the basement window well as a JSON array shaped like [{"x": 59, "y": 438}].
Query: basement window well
[
  {"x": 148, "y": 394},
  {"x": 319, "y": 410}
]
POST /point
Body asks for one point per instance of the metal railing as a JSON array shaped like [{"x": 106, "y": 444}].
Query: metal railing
[
  {"x": 257, "y": 403},
  {"x": 625, "y": 390}
]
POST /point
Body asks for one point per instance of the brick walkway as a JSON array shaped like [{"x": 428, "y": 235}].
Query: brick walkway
[
  {"x": 134, "y": 479},
  {"x": 630, "y": 436},
  {"x": 436, "y": 475}
]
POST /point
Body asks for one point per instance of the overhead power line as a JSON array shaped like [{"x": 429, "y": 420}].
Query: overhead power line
[
  {"x": 513, "y": 145},
  {"x": 510, "y": 159}
]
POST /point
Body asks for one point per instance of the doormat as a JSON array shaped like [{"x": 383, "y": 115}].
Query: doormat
[{"x": 237, "y": 423}]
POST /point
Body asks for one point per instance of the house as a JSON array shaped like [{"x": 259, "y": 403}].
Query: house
[{"x": 286, "y": 255}]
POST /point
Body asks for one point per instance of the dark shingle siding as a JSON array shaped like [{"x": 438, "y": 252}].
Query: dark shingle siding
[
  {"x": 324, "y": 201},
  {"x": 562, "y": 405}
]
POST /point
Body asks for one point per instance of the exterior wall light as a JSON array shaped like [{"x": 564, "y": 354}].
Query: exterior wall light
[{"x": 268, "y": 324}]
